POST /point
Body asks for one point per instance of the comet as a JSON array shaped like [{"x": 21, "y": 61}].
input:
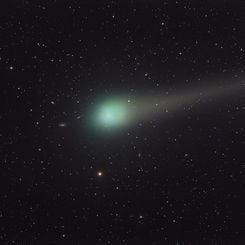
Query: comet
[{"x": 121, "y": 111}]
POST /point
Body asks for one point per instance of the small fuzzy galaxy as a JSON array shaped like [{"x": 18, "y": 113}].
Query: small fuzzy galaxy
[{"x": 122, "y": 122}]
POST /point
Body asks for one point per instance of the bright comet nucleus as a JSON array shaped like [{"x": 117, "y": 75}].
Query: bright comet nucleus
[{"x": 111, "y": 114}]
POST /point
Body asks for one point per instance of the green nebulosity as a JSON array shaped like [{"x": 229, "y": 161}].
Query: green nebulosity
[{"x": 112, "y": 114}]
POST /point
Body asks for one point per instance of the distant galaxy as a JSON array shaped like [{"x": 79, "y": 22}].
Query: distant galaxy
[{"x": 62, "y": 125}]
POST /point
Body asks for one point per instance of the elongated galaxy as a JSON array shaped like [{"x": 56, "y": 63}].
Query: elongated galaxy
[{"x": 121, "y": 111}]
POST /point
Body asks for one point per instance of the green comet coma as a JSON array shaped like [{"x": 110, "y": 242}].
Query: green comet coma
[{"x": 111, "y": 115}]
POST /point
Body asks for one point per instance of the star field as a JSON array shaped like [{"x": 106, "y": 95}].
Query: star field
[{"x": 174, "y": 179}]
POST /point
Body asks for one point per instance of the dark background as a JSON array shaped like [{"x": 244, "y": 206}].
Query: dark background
[{"x": 179, "y": 180}]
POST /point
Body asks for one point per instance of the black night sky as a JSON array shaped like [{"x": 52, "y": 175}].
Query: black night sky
[{"x": 174, "y": 179}]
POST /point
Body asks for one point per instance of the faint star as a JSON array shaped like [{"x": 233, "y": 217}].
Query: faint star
[{"x": 99, "y": 174}]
